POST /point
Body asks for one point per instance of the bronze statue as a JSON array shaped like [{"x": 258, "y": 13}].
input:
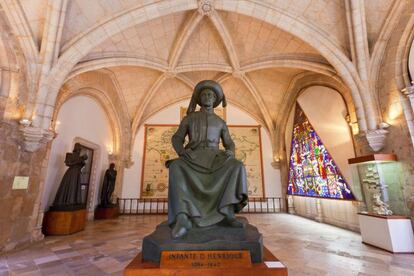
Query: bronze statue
[
  {"x": 207, "y": 185},
  {"x": 108, "y": 186},
  {"x": 68, "y": 196}
]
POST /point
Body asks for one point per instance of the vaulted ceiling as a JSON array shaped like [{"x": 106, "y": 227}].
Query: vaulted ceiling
[{"x": 157, "y": 62}]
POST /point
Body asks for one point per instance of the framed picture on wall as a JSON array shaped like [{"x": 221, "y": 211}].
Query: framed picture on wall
[{"x": 158, "y": 149}]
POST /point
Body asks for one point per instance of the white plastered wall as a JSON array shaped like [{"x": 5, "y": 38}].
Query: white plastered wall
[
  {"x": 171, "y": 115},
  {"x": 79, "y": 117},
  {"x": 326, "y": 111}
]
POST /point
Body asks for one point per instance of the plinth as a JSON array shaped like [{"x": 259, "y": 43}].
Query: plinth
[
  {"x": 269, "y": 266},
  {"x": 392, "y": 233},
  {"x": 107, "y": 212},
  {"x": 212, "y": 238},
  {"x": 64, "y": 222}
]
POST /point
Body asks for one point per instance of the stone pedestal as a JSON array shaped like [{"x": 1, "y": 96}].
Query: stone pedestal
[
  {"x": 64, "y": 222},
  {"x": 109, "y": 212},
  {"x": 392, "y": 233},
  {"x": 211, "y": 238},
  {"x": 269, "y": 266}
]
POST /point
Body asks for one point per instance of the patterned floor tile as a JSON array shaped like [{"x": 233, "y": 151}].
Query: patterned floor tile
[{"x": 105, "y": 247}]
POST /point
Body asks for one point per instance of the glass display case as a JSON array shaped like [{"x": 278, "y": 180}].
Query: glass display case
[{"x": 378, "y": 181}]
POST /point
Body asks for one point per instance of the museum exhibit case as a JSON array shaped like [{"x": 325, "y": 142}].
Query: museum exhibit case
[{"x": 378, "y": 180}]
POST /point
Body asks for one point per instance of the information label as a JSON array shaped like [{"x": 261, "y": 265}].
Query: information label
[
  {"x": 20, "y": 182},
  {"x": 205, "y": 259}
]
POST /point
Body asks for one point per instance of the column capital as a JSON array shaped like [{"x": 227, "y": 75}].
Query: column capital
[
  {"x": 34, "y": 138},
  {"x": 276, "y": 165},
  {"x": 409, "y": 91},
  {"x": 376, "y": 138}
]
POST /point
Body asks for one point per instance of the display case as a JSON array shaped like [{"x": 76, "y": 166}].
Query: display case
[{"x": 378, "y": 181}]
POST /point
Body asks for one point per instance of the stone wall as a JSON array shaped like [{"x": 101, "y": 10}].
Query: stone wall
[
  {"x": 315, "y": 101},
  {"x": 341, "y": 213},
  {"x": 391, "y": 99},
  {"x": 399, "y": 140},
  {"x": 19, "y": 208}
]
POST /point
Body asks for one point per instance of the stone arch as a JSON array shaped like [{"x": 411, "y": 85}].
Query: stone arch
[
  {"x": 402, "y": 74},
  {"x": 8, "y": 64},
  {"x": 297, "y": 61},
  {"x": 116, "y": 61},
  {"x": 290, "y": 62},
  {"x": 254, "y": 116},
  {"x": 13, "y": 86},
  {"x": 109, "y": 87},
  {"x": 367, "y": 114},
  {"x": 300, "y": 84},
  {"x": 103, "y": 100},
  {"x": 411, "y": 62},
  {"x": 121, "y": 139},
  {"x": 380, "y": 47},
  {"x": 398, "y": 49}
]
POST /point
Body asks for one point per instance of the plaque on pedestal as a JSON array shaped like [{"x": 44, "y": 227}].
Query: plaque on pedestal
[
  {"x": 201, "y": 263},
  {"x": 205, "y": 259}
]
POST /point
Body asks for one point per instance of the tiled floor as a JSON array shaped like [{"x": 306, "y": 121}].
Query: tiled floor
[{"x": 306, "y": 247}]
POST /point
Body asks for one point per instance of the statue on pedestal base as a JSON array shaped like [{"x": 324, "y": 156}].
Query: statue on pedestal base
[
  {"x": 207, "y": 186},
  {"x": 69, "y": 196},
  {"x": 108, "y": 187}
]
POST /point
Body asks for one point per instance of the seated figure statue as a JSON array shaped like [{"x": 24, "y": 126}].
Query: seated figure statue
[{"x": 206, "y": 185}]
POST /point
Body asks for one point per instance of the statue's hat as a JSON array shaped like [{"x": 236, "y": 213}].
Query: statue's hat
[{"x": 207, "y": 84}]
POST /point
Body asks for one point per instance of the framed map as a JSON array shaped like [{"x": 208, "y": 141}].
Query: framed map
[{"x": 158, "y": 149}]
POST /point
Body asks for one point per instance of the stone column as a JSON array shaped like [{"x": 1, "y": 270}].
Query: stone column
[
  {"x": 409, "y": 92},
  {"x": 319, "y": 216},
  {"x": 409, "y": 108}
]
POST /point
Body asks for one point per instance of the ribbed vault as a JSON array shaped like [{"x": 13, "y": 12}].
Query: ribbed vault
[{"x": 154, "y": 52}]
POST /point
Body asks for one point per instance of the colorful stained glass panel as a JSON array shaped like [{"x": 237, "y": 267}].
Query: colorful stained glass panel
[{"x": 312, "y": 171}]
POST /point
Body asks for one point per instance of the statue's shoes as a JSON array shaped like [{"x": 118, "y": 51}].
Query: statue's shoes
[
  {"x": 178, "y": 231},
  {"x": 181, "y": 227}
]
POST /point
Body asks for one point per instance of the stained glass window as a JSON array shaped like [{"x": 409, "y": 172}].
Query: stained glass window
[{"x": 312, "y": 171}]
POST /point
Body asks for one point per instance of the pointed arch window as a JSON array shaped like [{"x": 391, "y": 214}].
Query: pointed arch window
[{"x": 312, "y": 171}]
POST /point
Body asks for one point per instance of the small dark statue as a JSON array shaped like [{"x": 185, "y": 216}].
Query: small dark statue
[
  {"x": 207, "y": 185},
  {"x": 69, "y": 195},
  {"x": 108, "y": 186}
]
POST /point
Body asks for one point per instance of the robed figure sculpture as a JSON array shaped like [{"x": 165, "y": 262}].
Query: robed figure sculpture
[
  {"x": 69, "y": 196},
  {"x": 108, "y": 186},
  {"x": 207, "y": 185}
]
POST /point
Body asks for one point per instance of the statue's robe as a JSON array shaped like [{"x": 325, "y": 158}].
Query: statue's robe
[
  {"x": 108, "y": 187},
  {"x": 69, "y": 192},
  {"x": 205, "y": 183}
]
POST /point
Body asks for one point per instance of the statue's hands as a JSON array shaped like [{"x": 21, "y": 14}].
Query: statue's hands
[{"x": 229, "y": 153}]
